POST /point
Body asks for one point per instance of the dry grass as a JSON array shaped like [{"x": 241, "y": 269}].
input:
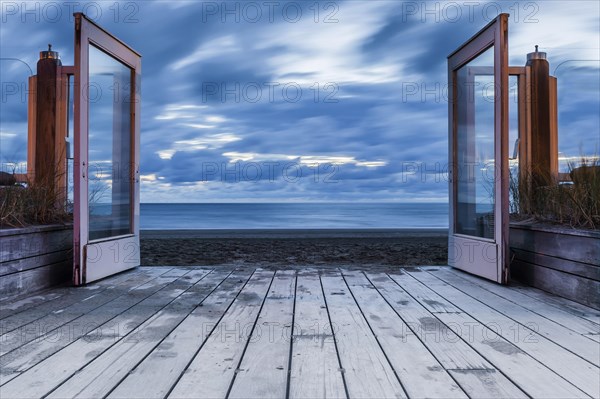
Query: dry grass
[
  {"x": 22, "y": 206},
  {"x": 576, "y": 205}
]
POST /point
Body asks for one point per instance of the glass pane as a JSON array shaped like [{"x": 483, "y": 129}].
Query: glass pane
[
  {"x": 109, "y": 149},
  {"x": 513, "y": 142},
  {"x": 474, "y": 169}
]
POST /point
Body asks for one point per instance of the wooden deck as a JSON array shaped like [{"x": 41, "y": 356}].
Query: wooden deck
[{"x": 302, "y": 333}]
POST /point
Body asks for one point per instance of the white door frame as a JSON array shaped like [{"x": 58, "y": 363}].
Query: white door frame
[
  {"x": 482, "y": 256},
  {"x": 95, "y": 259}
]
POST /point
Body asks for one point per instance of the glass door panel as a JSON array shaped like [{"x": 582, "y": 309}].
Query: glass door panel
[
  {"x": 475, "y": 148},
  {"x": 109, "y": 146}
]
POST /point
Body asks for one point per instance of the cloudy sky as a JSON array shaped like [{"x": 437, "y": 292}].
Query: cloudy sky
[{"x": 302, "y": 100}]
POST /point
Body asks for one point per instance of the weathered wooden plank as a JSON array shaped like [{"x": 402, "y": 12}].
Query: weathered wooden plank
[
  {"x": 419, "y": 371},
  {"x": 565, "y": 319},
  {"x": 22, "y": 264},
  {"x": 36, "y": 243},
  {"x": 16, "y": 305},
  {"x": 475, "y": 375},
  {"x": 31, "y": 314},
  {"x": 564, "y": 337},
  {"x": 51, "y": 372},
  {"x": 11, "y": 307},
  {"x": 28, "y": 355},
  {"x": 155, "y": 376},
  {"x": 559, "y": 302},
  {"x": 368, "y": 373},
  {"x": 423, "y": 294},
  {"x": 578, "y": 289},
  {"x": 563, "y": 265},
  {"x": 575, "y": 247},
  {"x": 263, "y": 371},
  {"x": 315, "y": 371},
  {"x": 86, "y": 302},
  {"x": 99, "y": 377},
  {"x": 538, "y": 366},
  {"x": 33, "y": 280},
  {"x": 211, "y": 372},
  {"x": 488, "y": 383}
]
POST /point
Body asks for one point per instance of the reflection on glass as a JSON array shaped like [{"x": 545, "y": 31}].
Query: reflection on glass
[
  {"x": 513, "y": 142},
  {"x": 109, "y": 153},
  {"x": 474, "y": 173},
  {"x": 578, "y": 118}
]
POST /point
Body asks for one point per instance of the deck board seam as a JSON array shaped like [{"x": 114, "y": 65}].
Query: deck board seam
[
  {"x": 594, "y": 315},
  {"x": 123, "y": 337},
  {"x": 291, "y": 352},
  {"x": 250, "y": 335},
  {"x": 119, "y": 280},
  {"x": 208, "y": 335},
  {"x": 160, "y": 341},
  {"x": 519, "y": 323},
  {"x": 124, "y": 293},
  {"x": 504, "y": 339},
  {"x": 411, "y": 330},
  {"x": 471, "y": 346},
  {"x": 374, "y": 335},
  {"x": 99, "y": 326},
  {"x": 337, "y": 351},
  {"x": 482, "y": 286}
]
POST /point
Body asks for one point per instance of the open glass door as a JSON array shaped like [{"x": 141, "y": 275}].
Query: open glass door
[
  {"x": 106, "y": 174},
  {"x": 478, "y": 153}
]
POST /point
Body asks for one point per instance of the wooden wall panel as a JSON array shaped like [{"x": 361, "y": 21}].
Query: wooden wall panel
[
  {"x": 34, "y": 258},
  {"x": 562, "y": 262}
]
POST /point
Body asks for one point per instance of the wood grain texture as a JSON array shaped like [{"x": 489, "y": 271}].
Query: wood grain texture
[
  {"x": 368, "y": 374},
  {"x": 24, "y": 327},
  {"x": 565, "y": 319},
  {"x": 559, "y": 302},
  {"x": 475, "y": 375},
  {"x": 576, "y": 247},
  {"x": 263, "y": 371},
  {"x": 156, "y": 375},
  {"x": 99, "y": 377},
  {"x": 211, "y": 372},
  {"x": 412, "y": 333},
  {"x": 578, "y": 289},
  {"x": 419, "y": 371},
  {"x": 538, "y": 366},
  {"x": 315, "y": 370},
  {"x": 554, "y": 332},
  {"x": 28, "y": 355},
  {"x": 34, "y": 259},
  {"x": 558, "y": 260},
  {"x": 51, "y": 372}
]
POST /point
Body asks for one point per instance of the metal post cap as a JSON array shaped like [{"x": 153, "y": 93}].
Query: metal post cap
[
  {"x": 49, "y": 54},
  {"x": 537, "y": 55}
]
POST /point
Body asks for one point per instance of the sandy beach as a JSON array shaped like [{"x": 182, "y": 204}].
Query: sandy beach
[{"x": 276, "y": 248}]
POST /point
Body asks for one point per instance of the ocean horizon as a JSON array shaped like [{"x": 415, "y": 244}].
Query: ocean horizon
[{"x": 307, "y": 215}]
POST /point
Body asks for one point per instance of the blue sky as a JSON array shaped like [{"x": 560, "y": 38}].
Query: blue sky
[{"x": 302, "y": 101}]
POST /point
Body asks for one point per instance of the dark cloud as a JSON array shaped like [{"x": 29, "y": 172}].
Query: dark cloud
[{"x": 382, "y": 65}]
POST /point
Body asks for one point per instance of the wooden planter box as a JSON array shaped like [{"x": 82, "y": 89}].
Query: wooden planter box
[
  {"x": 34, "y": 258},
  {"x": 559, "y": 260}
]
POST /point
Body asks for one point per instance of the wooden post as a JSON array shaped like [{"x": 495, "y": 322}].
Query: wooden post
[
  {"x": 46, "y": 118},
  {"x": 48, "y": 125},
  {"x": 31, "y": 125},
  {"x": 553, "y": 132},
  {"x": 543, "y": 162}
]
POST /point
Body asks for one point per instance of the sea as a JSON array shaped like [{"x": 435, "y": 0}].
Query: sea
[{"x": 293, "y": 216}]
